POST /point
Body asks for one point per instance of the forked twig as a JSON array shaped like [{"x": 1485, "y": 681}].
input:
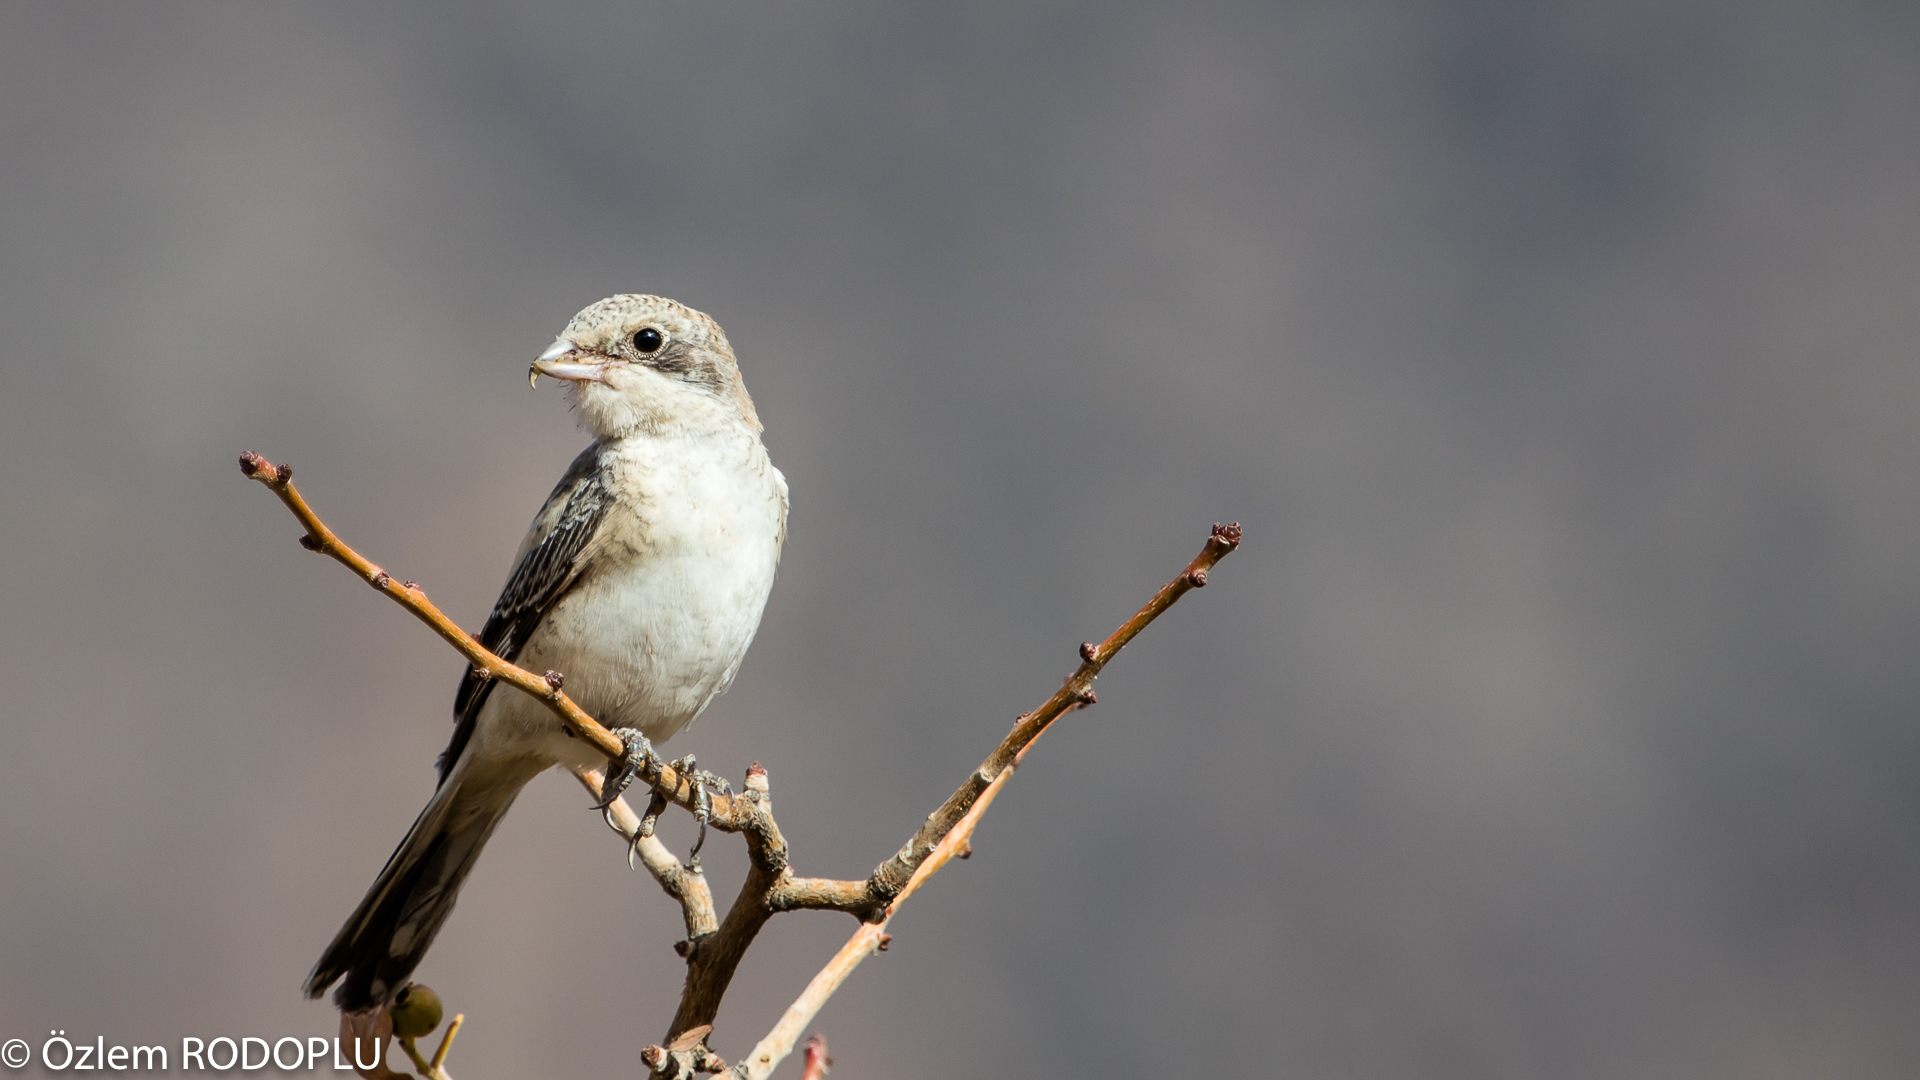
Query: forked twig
[
  {"x": 970, "y": 803},
  {"x": 713, "y": 946}
]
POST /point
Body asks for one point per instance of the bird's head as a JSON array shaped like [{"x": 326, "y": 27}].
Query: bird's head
[{"x": 648, "y": 364}]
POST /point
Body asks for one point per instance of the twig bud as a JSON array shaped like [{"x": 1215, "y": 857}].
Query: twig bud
[
  {"x": 1088, "y": 651},
  {"x": 307, "y": 541},
  {"x": 818, "y": 1061},
  {"x": 1197, "y": 578},
  {"x": 555, "y": 680},
  {"x": 380, "y": 580},
  {"x": 885, "y": 940}
]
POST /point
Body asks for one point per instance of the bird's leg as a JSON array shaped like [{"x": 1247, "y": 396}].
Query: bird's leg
[{"x": 639, "y": 755}]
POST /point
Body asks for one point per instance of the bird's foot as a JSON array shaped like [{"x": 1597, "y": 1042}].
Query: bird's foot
[
  {"x": 655, "y": 807},
  {"x": 639, "y": 756},
  {"x": 701, "y": 780}
]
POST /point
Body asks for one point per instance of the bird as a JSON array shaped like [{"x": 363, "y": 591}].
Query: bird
[{"x": 641, "y": 580}]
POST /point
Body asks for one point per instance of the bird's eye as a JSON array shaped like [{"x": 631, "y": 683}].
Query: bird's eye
[{"x": 648, "y": 340}]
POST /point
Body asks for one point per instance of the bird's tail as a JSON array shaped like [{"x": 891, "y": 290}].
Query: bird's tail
[{"x": 390, "y": 931}]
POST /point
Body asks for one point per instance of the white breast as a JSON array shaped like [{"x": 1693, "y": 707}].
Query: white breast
[{"x": 680, "y": 572}]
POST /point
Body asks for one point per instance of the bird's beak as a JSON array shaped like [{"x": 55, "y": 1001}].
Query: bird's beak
[{"x": 563, "y": 360}]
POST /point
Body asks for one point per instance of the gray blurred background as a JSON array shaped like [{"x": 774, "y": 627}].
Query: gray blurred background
[{"x": 1555, "y": 720}]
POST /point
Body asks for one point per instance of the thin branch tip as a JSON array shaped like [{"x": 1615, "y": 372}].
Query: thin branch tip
[{"x": 259, "y": 468}]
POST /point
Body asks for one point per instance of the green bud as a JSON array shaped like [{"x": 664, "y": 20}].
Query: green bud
[{"x": 416, "y": 1010}]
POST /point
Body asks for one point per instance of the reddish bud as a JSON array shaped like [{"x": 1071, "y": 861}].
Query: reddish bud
[
  {"x": 818, "y": 1061},
  {"x": 555, "y": 680},
  {"x": 381, "y": 580},
  {"x": 1088, "y": 651}
]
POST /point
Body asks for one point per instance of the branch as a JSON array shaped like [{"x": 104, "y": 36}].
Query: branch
[
  {"x": 1077, "y": 692},
  {"x": 546, "y": 689},
  {"x": 949, "y": 830},
  {"x": 714, "y": 947},
  {"x": 687, "y": 886}
]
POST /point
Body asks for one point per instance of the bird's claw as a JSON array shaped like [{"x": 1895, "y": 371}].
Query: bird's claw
[
  {"x": 655, "y": 807},
  {"x": 639, "y": 755},
  {"x": 701, "y": 780}
]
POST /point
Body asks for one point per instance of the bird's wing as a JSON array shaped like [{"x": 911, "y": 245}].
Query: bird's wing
[{"x": 550, "y": 563}]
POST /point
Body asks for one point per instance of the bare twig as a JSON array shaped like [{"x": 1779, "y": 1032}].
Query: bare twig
[
  {"x": 687, "y": 887},
  {"x": 714, "y": 947},
  {"x": 955, "y": 836},
  {"x": 446, "y": 1043},
  {"x": 1076, "y": 692},
  {"x": 869, "y": 939},
  {"x": 711, "y": 960},
  {"x": 543, "y": 688}
]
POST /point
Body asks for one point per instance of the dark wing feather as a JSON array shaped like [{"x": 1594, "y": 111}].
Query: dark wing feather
[{"x": 543, "y": 576}]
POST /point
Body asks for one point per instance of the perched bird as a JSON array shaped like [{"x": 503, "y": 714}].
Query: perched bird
[{"x": 641, "y": 580}]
